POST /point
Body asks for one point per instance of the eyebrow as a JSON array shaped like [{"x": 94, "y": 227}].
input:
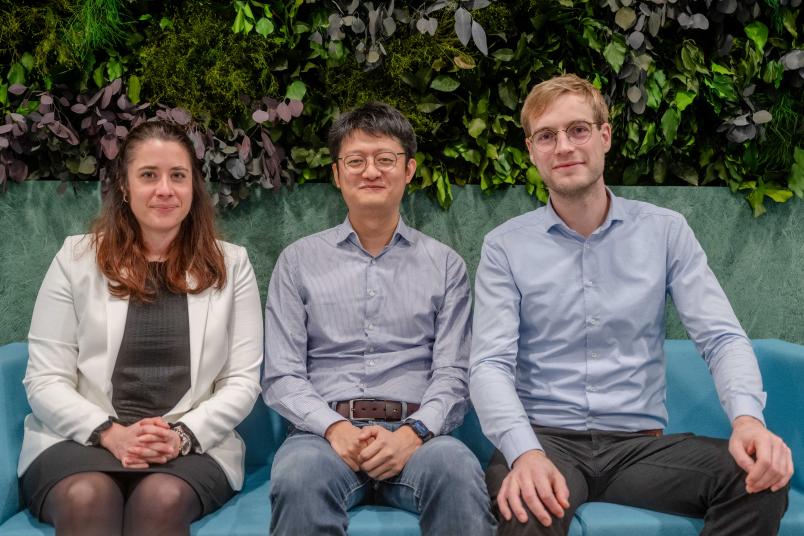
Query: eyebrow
[
  {"x": 568, "y": 123},
  {"x": 174, "y": 168}
]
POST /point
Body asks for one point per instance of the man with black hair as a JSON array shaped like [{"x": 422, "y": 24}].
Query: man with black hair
[{"x": 366, "y": 351}]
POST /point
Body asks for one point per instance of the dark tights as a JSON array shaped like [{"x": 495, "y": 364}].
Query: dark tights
[{"x": 89, "y": 504}]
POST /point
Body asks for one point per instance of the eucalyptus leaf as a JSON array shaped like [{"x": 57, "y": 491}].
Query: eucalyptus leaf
[
  {"x": 634, "y": 93},
  {"x": 761, "y": 117},
  {"x": 625, "y": 17},
  {"x": 636, "y": 39},
  {"x": 793, "y": 60},
  {"x": 727, "y": 6}
]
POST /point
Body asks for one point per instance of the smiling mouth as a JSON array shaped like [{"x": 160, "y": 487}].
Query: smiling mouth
[{"x": 567, "y": 165}]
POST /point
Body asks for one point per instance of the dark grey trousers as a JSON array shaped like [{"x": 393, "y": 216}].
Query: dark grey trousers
[{"x": 678, "y": 474}]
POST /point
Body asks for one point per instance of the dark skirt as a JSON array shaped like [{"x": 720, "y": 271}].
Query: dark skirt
[{"x": 67, "y": 458}]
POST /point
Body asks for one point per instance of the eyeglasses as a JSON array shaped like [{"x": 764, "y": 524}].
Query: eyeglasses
[
  {"x": 578, "y": 133},
  {"x": 356, "y": 163}
]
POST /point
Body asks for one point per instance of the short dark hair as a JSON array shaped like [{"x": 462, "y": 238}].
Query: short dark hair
[{"x": 377, "y": 119}]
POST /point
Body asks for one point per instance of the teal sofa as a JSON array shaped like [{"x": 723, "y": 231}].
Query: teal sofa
[{"x": 692, "y": 405}]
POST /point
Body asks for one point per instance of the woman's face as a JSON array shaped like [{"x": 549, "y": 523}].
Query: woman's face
[{"x": 160, "y": 187}]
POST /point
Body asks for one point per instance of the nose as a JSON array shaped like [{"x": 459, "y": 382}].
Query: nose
[
  {"x": 563, "y": 144},
  {"x": 371, "y": 171},
  {"x": 164, "y": 187}
]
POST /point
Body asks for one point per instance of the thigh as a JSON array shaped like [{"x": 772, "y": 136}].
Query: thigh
[
  {"x": 81, "y": 496},
  {"x": 676, "y": 474},
  {"x": 441, "y": 464},
  {"x": 306, "y": 462},
  {"x": 571, "y": 469}
]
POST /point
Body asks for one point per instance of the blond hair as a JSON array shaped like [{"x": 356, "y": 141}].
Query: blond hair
[{"x": 543, "y": 94}]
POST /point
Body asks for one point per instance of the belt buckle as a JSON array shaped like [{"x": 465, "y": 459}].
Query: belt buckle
[{"x": 352, "y": 409}]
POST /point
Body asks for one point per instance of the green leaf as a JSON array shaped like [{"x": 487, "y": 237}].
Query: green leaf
[
  {"x": 27, "y": 61},
  {"x": 165, "y": 22},
  {"x": 134, "y": 89},
  {"x": 684, "y": 171},
  {"x": 503, "y": 54},
  {"x": 296, "y": 90},
  {"x": 780, "y": 195},
  {"x": 4, "y": 94},
  {"x": 758, "y": 33},
  {"x": 472, "y": 156},
  {"x": 264, "y": 27},
  {"x": 684, "y": 99},
  {"x": 755, "y": 201},
  {"x": 615, "y": 53},
  {"x": 625, "y": 17},
  {"x": 87, "y": 165},
  {"x": 16, "y": 75},
  {"x": 97, "y": 75},
  {"x": 796, "y": 180},
  {"x": 239, "y": 22},
  {"x": 789, "y": 21},
  {"x": 114, "y": 68},
  {"x": 477, "y": 127},
  {"x": 444, "y": 83},
  {"x": 717, "y": 68},
  {"x": 508, "y": 94},
  {"x": 670, "y": 121},
  {"x": 428, "y": 107}
]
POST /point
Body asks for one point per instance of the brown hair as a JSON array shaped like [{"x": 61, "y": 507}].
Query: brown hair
[
  {"x": 117, "y": 237},
  {"x": 543, "y": 94}
]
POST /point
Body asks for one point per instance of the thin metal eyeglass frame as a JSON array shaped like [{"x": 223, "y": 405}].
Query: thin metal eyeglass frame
[
  {"x": 564, "y": 130},
  {"x": 366, "y": 158}
]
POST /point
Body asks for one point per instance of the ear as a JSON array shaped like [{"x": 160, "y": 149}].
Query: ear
[
  {"x": 335, "y": 175},
  {"x": 410, "y": 170},
  {"x": 605, "y": 136},
  {"x": 531, "y": 155}
]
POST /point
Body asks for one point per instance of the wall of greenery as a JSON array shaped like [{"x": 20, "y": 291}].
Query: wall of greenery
[{"x": 702, "y": 92}]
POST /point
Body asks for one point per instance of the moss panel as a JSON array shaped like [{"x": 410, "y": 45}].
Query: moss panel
[{"x": 758, "y": 262}]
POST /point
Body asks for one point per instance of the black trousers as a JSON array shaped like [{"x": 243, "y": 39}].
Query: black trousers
[{"x": 678, "y": 474}]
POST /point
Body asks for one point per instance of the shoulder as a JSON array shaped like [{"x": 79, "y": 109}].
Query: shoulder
[
  {"x": 434, "y": 248},
  {"x": 78, "y": 248},
  {"x": 315, "y": 244},
  {"x": 524, "y": 223},
  {"x": 648, "y": 212}
]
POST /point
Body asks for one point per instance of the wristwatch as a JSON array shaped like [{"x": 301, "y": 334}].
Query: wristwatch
[
  {"x": 186, "y": 444},
  {"x": 419, "y": 429}
]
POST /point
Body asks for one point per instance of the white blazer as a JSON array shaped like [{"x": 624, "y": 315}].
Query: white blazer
[{"x": 75, "y": 336}]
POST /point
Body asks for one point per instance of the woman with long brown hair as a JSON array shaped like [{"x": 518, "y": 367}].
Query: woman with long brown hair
[{"x": 144, "y": 354}]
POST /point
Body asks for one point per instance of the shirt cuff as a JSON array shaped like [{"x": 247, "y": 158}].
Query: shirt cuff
[
  {"x": 430, "y": 417},
  {"x": 517, "y": 441},
  {"x": 745, "y": 405},
  {"x": 319, "y": 420}
]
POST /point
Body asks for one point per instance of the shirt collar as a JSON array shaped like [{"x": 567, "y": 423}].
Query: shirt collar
[
  {"x": 616, "y": 212},
  {"x": 345, "y": 232}
]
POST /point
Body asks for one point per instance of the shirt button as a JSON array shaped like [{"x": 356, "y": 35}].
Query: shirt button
[
  {"x": 371, "y": 362},
  {"x": 371, "y": 292},
  {"x": 593, "y": 321},
  {"x": 372, "y": 261},
  {"x": 587, "y": 283},
  {"x": 369, "y": 326},
  {"x": 591, "y": 388},
  {"x": 362, "y": 385},
  {"x": 594, "y": 354},
  {"x": 371, "y": 349}
]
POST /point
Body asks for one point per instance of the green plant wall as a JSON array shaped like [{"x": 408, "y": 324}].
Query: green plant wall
[{"x": 702, "y": 92}]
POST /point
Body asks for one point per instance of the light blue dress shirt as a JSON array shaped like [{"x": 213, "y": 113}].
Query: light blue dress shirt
[
  {"x": 569, "y": 332},
  {"x": 342, "y": 324}
]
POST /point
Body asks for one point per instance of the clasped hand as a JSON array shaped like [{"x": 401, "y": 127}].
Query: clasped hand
[
  {"x": 379, "y": 452},
  {"x": 145, "y": 442}
]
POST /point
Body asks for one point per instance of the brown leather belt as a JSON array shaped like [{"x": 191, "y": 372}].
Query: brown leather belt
[
  {"x": 373, "y": 409},
  {"x": 656, "y": 432}
]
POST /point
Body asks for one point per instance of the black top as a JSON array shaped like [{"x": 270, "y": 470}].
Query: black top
[{"x": 152, "y": 371}]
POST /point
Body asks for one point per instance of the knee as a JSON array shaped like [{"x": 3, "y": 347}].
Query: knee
[
  {"x": 162, "y": 498},
  {"x": 452, "y": 465},
  {"x": 301, "y": 469},
  {"x": 84, "y": 497}
]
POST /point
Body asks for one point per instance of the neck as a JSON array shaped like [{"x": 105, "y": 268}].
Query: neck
[
  {"x": 374, "y": 230},
  {"x": 582, "y": 213},
  {"x": 156, "y": 245}
]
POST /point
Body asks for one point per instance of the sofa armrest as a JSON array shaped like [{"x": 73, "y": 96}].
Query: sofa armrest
[
  {"x": 13, "y": 409},
  {"x": 782, "y": 366}
]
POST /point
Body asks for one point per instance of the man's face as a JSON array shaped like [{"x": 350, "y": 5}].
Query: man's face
[
  {"x": 371, "y": 172},
  {"x": 570, "y": 170}
]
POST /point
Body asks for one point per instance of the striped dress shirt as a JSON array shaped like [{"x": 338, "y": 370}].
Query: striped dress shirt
[{"x": 342, "y": 324}]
